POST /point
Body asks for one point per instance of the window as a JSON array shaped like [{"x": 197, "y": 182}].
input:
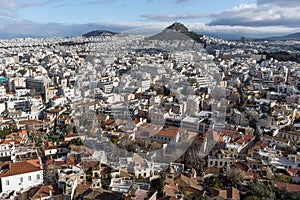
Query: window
[
  {"x": 29, "y": 178},
  {"x": 21, "y": 179},
  {"x": 38, "y": 176},
  {"x": 7, "y": 182}
]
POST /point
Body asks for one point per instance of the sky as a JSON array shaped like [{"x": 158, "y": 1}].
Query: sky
[{"x": 223, "y": 18}]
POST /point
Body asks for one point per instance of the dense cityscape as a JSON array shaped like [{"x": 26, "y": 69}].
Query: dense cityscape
[{"x": 174, "y": 116}]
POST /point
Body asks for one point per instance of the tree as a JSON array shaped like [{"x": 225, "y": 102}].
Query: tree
[
  {"x": 183, "y": 190},
  {"x": 7, "y": 130},
  {"x": 166, "y": 91},
  {"x": 283, "y": 194},
  {"x": 141, "y": 179},
  {"x": 158, "y": 184},
  {"x": 105, "y": 182},
  {"x": 76, "y": 142},
  {"x": 235, "y": 177},
  {"x": 192, "y": 81},
  {"x": 75, "y": 129},
  {"x": 128, "y": 197},
  {"x": 68, "y": 129},
  {"x": 282, "y": 178},
  {"x": 258, "y": 191}
]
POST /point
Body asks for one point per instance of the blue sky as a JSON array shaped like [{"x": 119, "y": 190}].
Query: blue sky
[
  {"x": 41, "y": 18},
  {"x": 85, "y": 11}
]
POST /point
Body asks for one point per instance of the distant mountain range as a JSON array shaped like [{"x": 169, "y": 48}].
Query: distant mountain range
[
  {"x": 176, "y": 31},
  {"x": 99, "y": 33},
  {"x": 293, "y": 36}
]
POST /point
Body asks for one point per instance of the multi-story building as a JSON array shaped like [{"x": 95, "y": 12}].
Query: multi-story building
[
  {"x": 39, "y": 85},
  {"x": 190, "y": 123},
  {"x": 220, "y": 159},
  {"x": 6, "y": 148},
  {"x": 158, "y": 116},
  {"x": 106, "y": 84},
  {"x": 143, "y": 84}
]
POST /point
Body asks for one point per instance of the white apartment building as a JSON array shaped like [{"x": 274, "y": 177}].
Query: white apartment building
[
  {"x": 6, "y": 148},
  {"x": 106, "y": 84},
  {"x": 2, "y": 93},
  {"x": 158, "y": 116},
  {"x": 20, "y": 91},
  {"x": 190, "y": 123},
  {"x": 144, "y": 84},
  {"x": 192, "y": 106}
]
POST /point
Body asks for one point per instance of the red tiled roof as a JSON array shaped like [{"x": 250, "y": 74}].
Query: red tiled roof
[
  {"x": 169, "y": 132},
  {"x": 275, "y": 138},
  {"x": 290, "y": 187},
  {"x": 214, "y": 170},
  {"x": 51, "y": 147},
  {"x": 136, "y": 121},
  {"x": 260, "y": 145},
  {"x": 44, "y": 191},
  {"x": 241, "y": 166},
  {"x": 245, "y": 139},
  {"x": 293, "y": 172},
  {"x": 229, "y": 133},
  {"x": 57, "y": 97},
  {"x": 83, "y": 186},
  {"x": 24, "y": 132},
  {"x": 6, "y": 142},
  {"x": 21, "y": 168},
  {"x": 31, "y": 122},
  {"x": 170, "y": 190},
  {"x": 168, "y": 198}
]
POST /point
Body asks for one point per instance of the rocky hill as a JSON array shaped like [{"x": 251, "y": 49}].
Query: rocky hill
[
  {"x": 177, "y": 31},
  {"x": 99, "y": 33}
]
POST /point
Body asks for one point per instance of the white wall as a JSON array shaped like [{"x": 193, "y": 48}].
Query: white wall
[
  {"x": 50, "y": 152},
  {"x": 15, "y": 183}
]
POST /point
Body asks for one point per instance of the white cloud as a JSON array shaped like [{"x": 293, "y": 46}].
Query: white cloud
[
  {"x": 9, "y": 3},
  {"x": 7, "y": 13},
  {"x": 264, "y": 13},
  {"x": 8, "y": 8}
]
